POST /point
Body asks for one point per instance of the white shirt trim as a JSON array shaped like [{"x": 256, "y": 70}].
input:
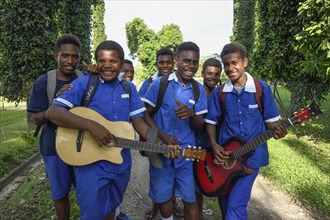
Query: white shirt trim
[
  {"x": 201, "y": 112},
  {"x": 137, "y": 111},
  {"x": 65, "y": 102},
  {"x": 210, "y": 122},
  {"x": 273, "y": 119},
  {"x": 147, "y": 101}
]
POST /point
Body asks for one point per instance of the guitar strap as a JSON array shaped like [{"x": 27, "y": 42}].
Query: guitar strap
[{"x": 91, "y": 88}]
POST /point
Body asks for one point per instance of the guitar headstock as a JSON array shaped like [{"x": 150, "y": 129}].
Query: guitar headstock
[
  {"x": 194, "y": 153},
  {"x": 305, "y": 114}
]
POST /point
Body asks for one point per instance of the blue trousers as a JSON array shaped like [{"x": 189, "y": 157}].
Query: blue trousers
[{"x": 234, "y": 204}]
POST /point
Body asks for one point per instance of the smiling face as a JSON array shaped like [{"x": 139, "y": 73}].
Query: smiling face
[
  {"x": 234, "y": 67},
  {"x": 211, "y": 77},
  {"x": 165, "y": 64},
  {"x": 187, "y": 65},
  {"x": 109, "y": 64},
  {"x": 67, "y": 58},
  {"x": 128, "y": 71}
]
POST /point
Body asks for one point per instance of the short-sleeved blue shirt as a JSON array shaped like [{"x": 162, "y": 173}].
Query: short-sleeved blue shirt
[
  {"x": 38, "y": 102},
  {"x": 165, "y": 117},
  {"x": 111, "y": 101},
  {"x": 145, "y": 85},
  {"x": 243, "y": 118},
  {"x": 202, "y": 138}
]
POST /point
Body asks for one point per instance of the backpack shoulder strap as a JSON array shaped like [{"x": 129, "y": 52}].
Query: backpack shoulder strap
[
  {"x": 79, "y": 73},
  {"x": 161, "y": 92},
  {"x": 149, "y": 81},
  {"x": 92, "y": 85},
  {"x": 126, "y": 86},
  {"x": 259, "y": 94},
  {"x": 195, "y": 89},
  {"x": 222, "y": 98},
  {"x": 51, "y": 85}
]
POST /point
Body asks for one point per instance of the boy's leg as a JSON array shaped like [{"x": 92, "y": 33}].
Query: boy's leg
[
  {"x": 60, "y": 179},
  {"x": 239, "y": 197}
]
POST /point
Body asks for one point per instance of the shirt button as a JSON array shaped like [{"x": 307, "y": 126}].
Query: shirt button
[
  {"x": 114, "y": 102},
  {"x": 240, "y": 112},
  {"x": 239, "y": 100},
  {"x": 115, "y": 116},
  {"x": 241, "y": 123},
  {"x": 242, "y": 135}
]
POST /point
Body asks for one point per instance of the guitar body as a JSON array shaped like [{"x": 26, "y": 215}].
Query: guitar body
[
  {"x": 91, "y": 151},
  {"x": 215, "y": 180}
]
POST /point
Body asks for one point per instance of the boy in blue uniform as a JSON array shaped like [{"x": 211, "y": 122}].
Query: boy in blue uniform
[
  {"x": 211, "y": 78},
  {"x": 59, "y": 174},
  {"x": 101, "y": 185},
  {"x": 176, "y": 118},
  {"x": 164, "y": 64},
  {"x": 242, "y": 119}
]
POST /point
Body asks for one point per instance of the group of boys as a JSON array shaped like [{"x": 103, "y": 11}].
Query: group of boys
[{"x": 179, "y": 121}]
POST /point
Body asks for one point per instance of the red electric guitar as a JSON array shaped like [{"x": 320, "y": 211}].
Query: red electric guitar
[{"x": 218, "y": 180}]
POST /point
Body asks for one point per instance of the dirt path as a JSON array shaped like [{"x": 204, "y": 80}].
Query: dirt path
[{"x": 266, "y": 202}]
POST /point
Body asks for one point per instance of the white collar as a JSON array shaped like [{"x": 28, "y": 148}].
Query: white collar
[
  {"x": 173, "y": 76},
  {"x": 249, "y": 86},
  {"x": 155, "y": 76}
]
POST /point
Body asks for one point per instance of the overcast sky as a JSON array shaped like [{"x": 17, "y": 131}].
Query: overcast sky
[{"x": 207, "y": 23}]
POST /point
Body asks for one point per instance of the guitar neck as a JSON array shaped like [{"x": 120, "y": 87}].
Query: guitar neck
[
  {"x": 252, "y": 145},
  {"x": 144, "y": 146}
]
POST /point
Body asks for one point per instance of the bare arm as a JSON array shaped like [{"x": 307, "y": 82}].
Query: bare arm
[
  {"x": 64, "y": 118},
  {"x": 219, "y": 152}
]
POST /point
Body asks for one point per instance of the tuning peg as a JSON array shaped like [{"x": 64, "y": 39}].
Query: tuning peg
[
  {"x": 199, "y": 148},
  {"x": 194, "y": 147},
  {"x": 189, "y": 146}
]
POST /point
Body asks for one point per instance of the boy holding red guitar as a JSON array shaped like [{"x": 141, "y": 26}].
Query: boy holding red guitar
[{"x": 242, "y": 119}]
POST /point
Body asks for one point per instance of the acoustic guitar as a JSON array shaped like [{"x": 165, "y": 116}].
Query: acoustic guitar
[
  {"x": 78, "y": 147},
  {"x": 218, "y": 180}
]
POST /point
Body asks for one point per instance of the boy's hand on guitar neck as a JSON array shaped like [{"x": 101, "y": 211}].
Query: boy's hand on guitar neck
[
  {"x": 280, "y": 129},
  {"x": 175, "y": 153},
  {"x": 219, "y": 154}
]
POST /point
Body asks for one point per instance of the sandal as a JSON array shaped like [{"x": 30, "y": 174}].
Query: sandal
[
  {"x": 151, "y": 213},
  {"x": 177, "y": 213}
]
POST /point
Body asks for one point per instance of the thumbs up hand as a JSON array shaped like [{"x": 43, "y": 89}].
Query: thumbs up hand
[
  {"x": 183, "y": 112},
  {"x": 91, "y": 68}
]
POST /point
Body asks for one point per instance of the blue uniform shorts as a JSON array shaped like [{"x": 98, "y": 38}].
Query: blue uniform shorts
[
  {"x": 100, "y": 189},
  {"x": 60, "y": 176},
  {"x": 170, "y": 178}
]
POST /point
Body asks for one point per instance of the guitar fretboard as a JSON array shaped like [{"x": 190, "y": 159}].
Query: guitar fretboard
[
  {"x": 252, "y": 145},
  {"x": 144, "y": 146}
]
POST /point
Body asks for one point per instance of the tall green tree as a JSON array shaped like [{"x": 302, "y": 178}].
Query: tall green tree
[
  {"x": 244, "y": 22},
  {"x": 144, "y": 43},
  {"x": 313, "y": 39},
  {"x": 26, "y": 44},
  {"x": 79, "y": 23},
  {"x": 98, "y": 23}
]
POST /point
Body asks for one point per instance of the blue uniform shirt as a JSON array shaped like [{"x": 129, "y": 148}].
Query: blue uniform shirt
[
  {"x": 166, "y": 119},
  {"x": 111, "y": 101},
  {"x": 243, "y": 118},
  {"x": 38, "y": 102},
  {"x": 202, "y": 138},
  {"x": 145, "y": 85}
]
